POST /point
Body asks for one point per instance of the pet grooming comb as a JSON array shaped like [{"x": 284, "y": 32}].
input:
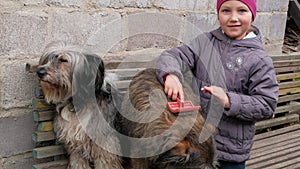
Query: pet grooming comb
[{"x": 182, "y": 106}]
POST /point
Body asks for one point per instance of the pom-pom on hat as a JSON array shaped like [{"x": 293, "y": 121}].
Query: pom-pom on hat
[{"x": 250, "y": 3}]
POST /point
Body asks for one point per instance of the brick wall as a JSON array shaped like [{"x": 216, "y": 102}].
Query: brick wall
[{"x": 117, "y": 26}]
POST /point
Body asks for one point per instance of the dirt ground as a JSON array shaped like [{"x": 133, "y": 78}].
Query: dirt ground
[{"x": 292, "y": 37}]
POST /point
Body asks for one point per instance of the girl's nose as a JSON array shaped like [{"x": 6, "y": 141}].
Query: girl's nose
[{"x": 234, "y": 17}]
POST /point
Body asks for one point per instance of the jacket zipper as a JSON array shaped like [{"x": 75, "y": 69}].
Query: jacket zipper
[{"x": 227, "y": 47}]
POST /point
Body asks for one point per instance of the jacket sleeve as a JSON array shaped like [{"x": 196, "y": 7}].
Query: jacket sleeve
[
  {"x": 178, "y": 60},
  {"x": 262, "y": 99}
]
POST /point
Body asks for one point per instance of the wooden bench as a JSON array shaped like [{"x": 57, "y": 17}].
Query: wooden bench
[
  {"x": 274, "y": 137},
  {"x": 277, "y": 142},
  {"x": 276, "y": 149}
]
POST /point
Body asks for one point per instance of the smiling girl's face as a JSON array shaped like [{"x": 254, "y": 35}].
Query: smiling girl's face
[{"x": 235, "y": 19}]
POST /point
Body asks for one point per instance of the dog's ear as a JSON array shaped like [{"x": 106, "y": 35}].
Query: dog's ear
[
  {"x": 87, "y": 79},
  {"x": 96, "y": 66}
]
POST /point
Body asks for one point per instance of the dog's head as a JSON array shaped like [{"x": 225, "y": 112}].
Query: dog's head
[{"x": 65, "y": 71}]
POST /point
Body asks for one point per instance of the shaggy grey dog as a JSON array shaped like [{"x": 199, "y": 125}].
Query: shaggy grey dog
[{"x": 75, "y": 81}]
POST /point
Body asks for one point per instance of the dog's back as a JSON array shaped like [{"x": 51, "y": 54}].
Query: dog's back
[{"x": 175, "y": 137}]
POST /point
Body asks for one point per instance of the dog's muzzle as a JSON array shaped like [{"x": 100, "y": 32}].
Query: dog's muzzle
[{"x": 41, "y": 72}]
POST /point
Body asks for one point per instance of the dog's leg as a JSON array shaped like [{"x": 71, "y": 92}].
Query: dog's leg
[{"x": 77, "y": 162}]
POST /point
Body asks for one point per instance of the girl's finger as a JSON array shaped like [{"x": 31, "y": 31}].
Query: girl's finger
[
  {"x": 174, "y": 95},
  {"x": 181, "y": 95},
  {"x": 170, "y": 93},
  {"x": 206, "y": 90},
  {"x": 166, "y": 89}
]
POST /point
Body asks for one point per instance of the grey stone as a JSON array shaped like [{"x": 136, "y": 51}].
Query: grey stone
[
  {"x": 275, "y": 48},
  {"x": 79, "y": 28},
  {"x": 17, "y": 85},
  {"x": 274, "y": 5},
  {"x": 61, "y": 3},
  {"x": 277, "y": 26},
  {"x": 16, "y": 135},
  {"x": 167, "y": 4},
  {"x": 262, "y": 22},
  {"x": 22, "y": 32},
  {"x": 137, "y": 3},
  {"x": 151, "y": 41},
  {"x": 199, "y": 23}
]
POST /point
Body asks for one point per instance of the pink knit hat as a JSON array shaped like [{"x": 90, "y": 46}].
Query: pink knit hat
[{"x": 250, "y": 3}]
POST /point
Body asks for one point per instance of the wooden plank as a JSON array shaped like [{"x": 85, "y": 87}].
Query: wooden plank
[
  {"x": 282, "y": 138},
  {"x": 291, "y": 118},
  {"x": 276, "y": 132},
  {"x": 287, "y": 69},
  {"x": 286, "y": 63},
  {"x": 272, "y": 159},
  {"x": 45, "y": 126},
  {"x": 48, "y": 151},
  {"x": 291, "y": 56},
  {"x": 60, "y": 157},
  {"x": 287, "y": 98},
  {"x": 39, "y": 116},
  {"x": 125, "y": 74},
  {"x": 288, "y": 76},
  {"x": 290, "y": 84},
  {"x": 38, "y": 92},
  {"x": 273, "y": 152},
  {"x": 293, "y": 106},
  {"x": 41, "y": 104},
  {"x": 293, "y": 166},
  {"x": 126, "y": 70},
  {"x": 286, "y": 91},
  {"x": 40, "y": 136},
  {"x": 60, "y": 164},
  {"x": 286, "y": 164},
  {"x": 273, "y": 148},
  {"x": 122, "y": 85},
  {"x": 125, "y": 64},
  {"x": 137, "y": 60}
]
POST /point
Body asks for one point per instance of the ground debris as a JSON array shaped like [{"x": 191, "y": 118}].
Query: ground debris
[{"x": 292, "y": 37}]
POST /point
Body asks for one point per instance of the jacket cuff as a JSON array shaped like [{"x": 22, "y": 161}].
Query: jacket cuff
[{"x": 235, "y": 103}]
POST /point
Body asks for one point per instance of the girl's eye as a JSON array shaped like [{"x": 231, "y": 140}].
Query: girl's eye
[
  {"x": 242, "y": 10},
  {"x": 225, "y": 10}
]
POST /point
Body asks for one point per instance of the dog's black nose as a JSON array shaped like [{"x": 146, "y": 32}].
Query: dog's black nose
[{"x": 41, "y": 72}]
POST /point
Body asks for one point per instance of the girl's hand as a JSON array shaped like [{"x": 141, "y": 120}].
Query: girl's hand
[
  {"x": 219, "y": 93},
  {"x": 173, "y": 87}
]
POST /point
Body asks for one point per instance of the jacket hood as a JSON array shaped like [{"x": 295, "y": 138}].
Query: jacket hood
[{"x": 255, "y": 42}]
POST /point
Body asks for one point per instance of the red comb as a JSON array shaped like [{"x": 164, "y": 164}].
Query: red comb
[{"x": 182, "y": 106}]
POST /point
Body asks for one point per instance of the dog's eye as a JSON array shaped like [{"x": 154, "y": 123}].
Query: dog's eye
[{"x": 63, "y": 60}]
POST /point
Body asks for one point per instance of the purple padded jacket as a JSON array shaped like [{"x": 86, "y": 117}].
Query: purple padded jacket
[{"x": 243, "y": 69}]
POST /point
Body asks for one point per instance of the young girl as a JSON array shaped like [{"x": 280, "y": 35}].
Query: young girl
[{"x": 230, "y": 65}]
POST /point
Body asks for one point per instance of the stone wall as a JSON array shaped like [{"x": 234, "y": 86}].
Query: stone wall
[{"x": 113, "y": 28}]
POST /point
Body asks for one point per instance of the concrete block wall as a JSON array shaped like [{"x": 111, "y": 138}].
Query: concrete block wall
[{"x": 114, "y": 28}]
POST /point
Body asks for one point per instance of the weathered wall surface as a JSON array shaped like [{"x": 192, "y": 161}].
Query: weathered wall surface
[{"x": 118, "y": 26}]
